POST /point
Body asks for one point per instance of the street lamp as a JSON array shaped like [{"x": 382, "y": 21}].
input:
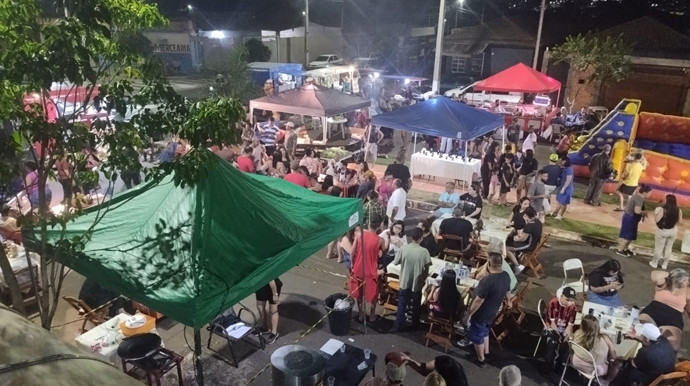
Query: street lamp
[{"x": 189, "y": 7}]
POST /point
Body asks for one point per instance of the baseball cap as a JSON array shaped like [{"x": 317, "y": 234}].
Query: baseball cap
[
  {"x": 553, "y": 157},
  {"x": 394, "y": 358},
  {"x": 650, "y": 331},
  {"x": 290, "y": 124},
  {"x": 395, "y": 373},
  {"x": 569, "y": 293}
]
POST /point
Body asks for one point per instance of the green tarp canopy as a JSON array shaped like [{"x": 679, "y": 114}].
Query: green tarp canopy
[{"x": 191, "y": 253}]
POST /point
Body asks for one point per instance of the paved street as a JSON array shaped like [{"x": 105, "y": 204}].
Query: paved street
[{"x": 307, "y": 286}]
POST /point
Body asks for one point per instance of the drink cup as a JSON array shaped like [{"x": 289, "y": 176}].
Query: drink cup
[{"x": 367, "y": 353}]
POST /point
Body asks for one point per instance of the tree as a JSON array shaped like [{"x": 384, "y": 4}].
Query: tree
[
  {"x": 89, "y": 50},
  {"x": 236, "y": 82},
  {"x": 600, "y": 59},
  {"x": 257, "y": 51}
]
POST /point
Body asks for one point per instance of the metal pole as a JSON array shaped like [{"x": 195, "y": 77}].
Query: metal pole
[
  {"x": 306, "y": 33},
  {"x": 541, "y": 24},
  {"x": 364, "y": 279},
  {"x": 457, "y": 10},
  {"x": 503, "y": 138},
  {"x": 199, "y": 368},
  {"x": 342, "y": 16},
  {"x": 435, "y": 86}
]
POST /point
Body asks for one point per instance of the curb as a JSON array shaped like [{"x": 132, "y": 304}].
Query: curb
[{"x": 676, "y": 257}]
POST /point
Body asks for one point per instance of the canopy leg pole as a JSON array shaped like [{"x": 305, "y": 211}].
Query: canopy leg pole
[
  {"x": 364, "y": 281},
  {"x": 198, "y": 366},
  {"x": 367, "y": 145},
  {"x": 414, "y": 150},
  {"x": 503, "y": 138},
  {"x": 251, "y": 115}
]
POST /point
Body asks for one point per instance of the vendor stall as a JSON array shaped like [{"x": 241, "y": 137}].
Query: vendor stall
[
  {"x": 523, "y": 79},
  {"x": 312, "y": 100},
  {"x": 442, "y": 117},
  {"x": 282, "y": 76}
]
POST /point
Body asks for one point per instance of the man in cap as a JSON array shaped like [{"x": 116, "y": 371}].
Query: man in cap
[
  {"x": 553, "y": 171},
  {"x": 395, "y": 371},
  {"x": 560, "y": 314},
  {"x": 600, "y": 169},
  {"x": 656, "y": 357}
]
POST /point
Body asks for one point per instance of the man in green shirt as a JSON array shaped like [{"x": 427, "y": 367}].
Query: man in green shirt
[{"x": 414, "y": 261}]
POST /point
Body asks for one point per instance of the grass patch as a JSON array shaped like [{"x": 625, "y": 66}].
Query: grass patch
[{"x": 581, "y": 189}]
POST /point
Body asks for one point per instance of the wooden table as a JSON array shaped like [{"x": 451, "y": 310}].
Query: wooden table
[{"x": 343, "y": 366}]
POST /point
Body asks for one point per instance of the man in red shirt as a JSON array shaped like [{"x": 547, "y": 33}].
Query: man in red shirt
[
  {"x": 560, "y": 314},
  {"x": 297, "y": 177},
  {"x": 245, "y": 162}
]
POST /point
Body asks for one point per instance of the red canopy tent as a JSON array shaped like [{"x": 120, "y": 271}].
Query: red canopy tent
[{"x": 519, "y": 78}]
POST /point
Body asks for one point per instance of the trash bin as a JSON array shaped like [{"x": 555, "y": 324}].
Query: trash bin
[{"x": 339, "y": 320}]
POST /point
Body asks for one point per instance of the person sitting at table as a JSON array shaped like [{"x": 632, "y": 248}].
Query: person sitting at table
[
  {"x": 395, "y": 238},
  {"x": 347, "y": 180},
  {"x": 670, "y": 301},
  {"x": 656, "y": 357},
  {"x": 472, "y": 202},
  {"x": 9, "y": 230},
  {"x": 483, "y": 271},
  {"x": 447, "y": 201},
  {"x": 313, "y": 164},
  {"x": 517, "y": 219},
  {"x": 560, "y": 319},
  {"x": 395, "y": 372},
  {"x": 444, "y": 298},
  {"x": 367, "y": 184},
  {"x": 428, "y": 240},
  {"x": 604, "y": 283},
  {"x": 557, "y": 120},
  {"x": 448, "y": 368},
  {"x": 434, "y": 379},
  {"x": 526, "y": 239},
  {"x": 456, "y": 226},
  {"x": 600, "y": 346},
  {"x": 579, "y": 117}
]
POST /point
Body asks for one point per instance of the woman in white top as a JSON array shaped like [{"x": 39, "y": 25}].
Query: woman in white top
[
  {"x": 395, "y": 239},
  {"x": 600, "y": 346},
  {"x": 666, "y": 218}
]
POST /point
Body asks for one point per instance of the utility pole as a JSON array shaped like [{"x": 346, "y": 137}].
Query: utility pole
[
  {"x": 306, "y": 34},
  {"x": 436, "y": 84},
  {"x": 541, "y": 24}
]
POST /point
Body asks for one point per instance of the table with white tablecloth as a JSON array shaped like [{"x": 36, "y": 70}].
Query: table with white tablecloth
[
  {"x": 455, "y": 169},
  {"x": 18, "y": 262},
  {"x": 611, "y": 325},
  {"x": 103, "y": 340},
  {"x": 434, "y": 277}
]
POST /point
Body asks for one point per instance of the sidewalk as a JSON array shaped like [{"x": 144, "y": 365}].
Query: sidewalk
[{"x": 578, "y": 211}]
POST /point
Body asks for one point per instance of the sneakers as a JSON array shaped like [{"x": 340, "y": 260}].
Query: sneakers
[
  {"x": 518, "y": 269},
  {"x": 559, "y": 217},
  {"x": 653, "y": 264},
  {"x": 623, "y": 253},
  {"x": 464, "y": 342},
  {"x": 271, "y": 338},
  {"x": 664, "y": 265}
]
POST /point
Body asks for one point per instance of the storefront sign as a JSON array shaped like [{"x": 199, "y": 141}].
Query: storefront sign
[{"x": 162, "y": 45}]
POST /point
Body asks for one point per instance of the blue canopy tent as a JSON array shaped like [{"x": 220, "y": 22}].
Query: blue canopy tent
[{"x": 441, "y": 117}]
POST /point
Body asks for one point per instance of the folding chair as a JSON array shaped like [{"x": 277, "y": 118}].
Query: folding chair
[
  {"x": 681, "y": 373},
  {"x": 391, "y": 290},
  {"x": 503, "y": 312},
  {"x": 517, "y": 301},
  {"x": 576, "y": 349},
  {"x": 531, "y": 259},
  {"x": 571, "y": 265},
  {"x": 446, "y": 335},
  {"x": 96, "y": 316},
  {"x": 219, "y": 325},
  {"x": 452, "y": 255}
]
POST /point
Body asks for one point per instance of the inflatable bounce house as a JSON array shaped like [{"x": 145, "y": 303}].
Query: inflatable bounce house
[{"x": 665, "y": 140}]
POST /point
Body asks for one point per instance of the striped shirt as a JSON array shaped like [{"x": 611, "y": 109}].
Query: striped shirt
[{"x": 268, "y": 137}]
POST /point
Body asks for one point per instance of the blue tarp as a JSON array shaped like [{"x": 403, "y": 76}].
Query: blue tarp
[
  {"x": 261, "y": 71},
  {"x": 441, "y": 117}
]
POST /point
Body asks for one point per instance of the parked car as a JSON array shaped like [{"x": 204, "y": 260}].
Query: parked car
[
  {"x": 484, "y": 96},
  {"x": 449, "y": 82},
  {"x": 369, "y": 61},
  {"x": 327, "y": 60}
]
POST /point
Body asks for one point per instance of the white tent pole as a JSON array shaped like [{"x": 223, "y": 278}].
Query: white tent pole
[
  {"x": 366, "y": 143},
  {"x": 465, "y": 151},
  {"x": 503, "y": 138},
  {"x": 324, "y": 123},
  {"x": 414, "y": 150}
]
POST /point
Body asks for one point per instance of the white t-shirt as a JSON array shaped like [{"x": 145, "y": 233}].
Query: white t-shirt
[
  {"x": 399, "y": 199},
  {"x": 529, "y": 142},
  {"x": 392, "y": 248}
]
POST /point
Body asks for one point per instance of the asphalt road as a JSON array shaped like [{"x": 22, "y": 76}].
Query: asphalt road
[{"x": 306, "y": 286}]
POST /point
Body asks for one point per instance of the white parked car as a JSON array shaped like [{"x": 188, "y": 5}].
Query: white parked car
[
  {"x": 327, "y": 60},
  {"x": 485, "y": 96}
]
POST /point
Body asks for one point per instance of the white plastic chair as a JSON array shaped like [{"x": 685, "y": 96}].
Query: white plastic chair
[
  {"x": 540, "y": 311},
  {"x": 576, "y": 349},
  {"x": 574, "y": 264}
]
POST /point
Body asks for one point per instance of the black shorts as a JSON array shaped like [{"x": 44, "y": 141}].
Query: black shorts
[
  {"x": 264, "y": 294},
  {"x": 627, "y": 190},
  {"x": 664, "y": 315},
  {"x": 505, "y": 188}
]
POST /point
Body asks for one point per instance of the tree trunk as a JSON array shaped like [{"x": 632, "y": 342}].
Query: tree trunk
[{"x": 11, "y": 282}]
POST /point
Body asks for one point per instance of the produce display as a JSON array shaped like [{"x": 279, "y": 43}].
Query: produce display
[{"x": 332, "y": 152}]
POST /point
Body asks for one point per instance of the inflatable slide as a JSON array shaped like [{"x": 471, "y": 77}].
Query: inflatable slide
[{"x": 665, "y": 140}]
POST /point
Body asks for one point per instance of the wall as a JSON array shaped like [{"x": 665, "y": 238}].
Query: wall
[
  {"x": 499, "y": 59},
  {"x": 216, "y": 51},
  {"x": 292, "y": 49},
  {"x": 579, "y": 93},
  {"x": 174, "y": 48}
]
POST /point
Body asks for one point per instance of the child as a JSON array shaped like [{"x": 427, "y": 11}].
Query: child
[{"x": 494, "y": 184}]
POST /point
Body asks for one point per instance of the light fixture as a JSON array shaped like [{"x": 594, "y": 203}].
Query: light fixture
[
  {"x": 352, "y": 68},
  {"x": 376, "y": 75},
  {"x": 217, "y": 34},
  {"x": 189, "y": 7},
  {"x": 304, "y": 13},
  {"x": 210, "y": 88},
  {"x": 407, "y": 81}
]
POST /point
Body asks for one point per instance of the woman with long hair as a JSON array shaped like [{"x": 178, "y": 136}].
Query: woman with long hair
[
  {"x": 564, "y": 192},
  {"x": 634, "y": 212},
  {"x": 666, "y": 218},
  {"x": 670, "y": 302},
  {"x": 444, "y": 299},
  {"x": 428, "y": 240},
  {"x": 395, "y": 239},
  {"x": 517, "y": 220},
  {"x": 600, "y": 346},
  {"x": 488, "y": 164},
  {"x": 604, "y": 283},
  {"x": 347, "y": 244},
  {"x": 278, "y": 164}
]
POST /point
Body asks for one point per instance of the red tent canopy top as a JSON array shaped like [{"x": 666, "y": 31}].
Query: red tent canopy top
[{"x": 519, "y": 78}]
